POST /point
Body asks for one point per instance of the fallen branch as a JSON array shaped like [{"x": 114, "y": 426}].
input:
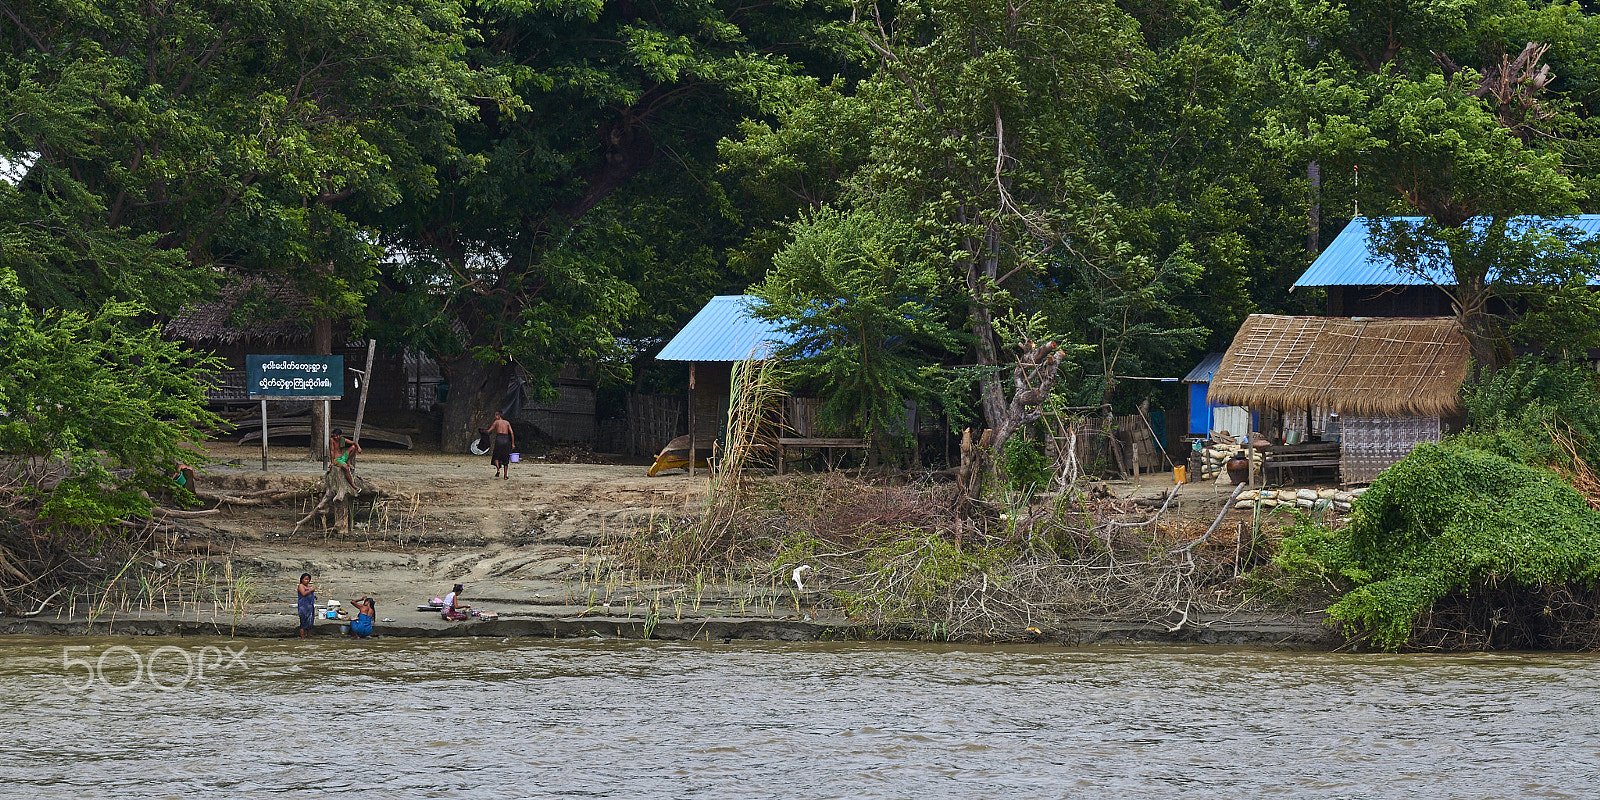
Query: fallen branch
[
  {"x": 176, "y": 514},
  {"x": 261, "y": 498},
  {"x": 36, "y": 612},
  {"x": 1188, "y": 549}
]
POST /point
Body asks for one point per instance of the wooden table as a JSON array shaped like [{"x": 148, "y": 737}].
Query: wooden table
[{"x": 785, "y": 443}]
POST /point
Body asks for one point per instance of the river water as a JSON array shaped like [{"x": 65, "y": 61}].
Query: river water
[{"x": 487, "y": 718}]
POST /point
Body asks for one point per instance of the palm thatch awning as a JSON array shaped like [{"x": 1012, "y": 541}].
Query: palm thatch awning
[
  {"x": 1370, "y": 367},
  {"x": 248, "y": 310}
]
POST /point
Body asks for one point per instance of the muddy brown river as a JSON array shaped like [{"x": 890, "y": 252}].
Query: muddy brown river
[{"x": 179, "y": 718}]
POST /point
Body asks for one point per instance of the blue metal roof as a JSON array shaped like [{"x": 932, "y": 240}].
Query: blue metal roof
[
  {"x": 1207, "y": 368},
  {"x": 725, "y": 331},
  {"x": 1349, "y": 261}
]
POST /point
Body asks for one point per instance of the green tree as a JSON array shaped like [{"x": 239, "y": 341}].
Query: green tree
[
  {"x": 174, "y": 139},
  {"x": 859, "y": 296},
  {"x": 990, "y": 103},
  {"x": 179, "y": 144},
  {"x": 594, "y": 206},
  {"x": 95, "y": 407},
  {"x": 1447, "y": 110}
]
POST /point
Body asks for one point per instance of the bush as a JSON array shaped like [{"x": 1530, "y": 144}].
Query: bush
[
  {"x": 1514, "y": 412},
  {"x": 1027, "y": 468},
  {"x": 1448, "y": 519},
  {"x": 102, "y": 395}
]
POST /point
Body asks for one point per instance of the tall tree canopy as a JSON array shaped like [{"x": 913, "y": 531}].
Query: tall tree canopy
[
  {"x": 590, "y": 203},
  {"x": 1449, "y": 110},
  {"x": 172, "y": 138}
]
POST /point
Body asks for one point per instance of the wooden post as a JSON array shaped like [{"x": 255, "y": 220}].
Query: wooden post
[
  {"x": 1250, "y": 456},
  {"x": 366, "y": 381},
  {"x": 1136, "y": 464},
  {"x": 691, "y": 419},
  {"x": 327, "y": 455},
  {"x": 263, "y": 434}
]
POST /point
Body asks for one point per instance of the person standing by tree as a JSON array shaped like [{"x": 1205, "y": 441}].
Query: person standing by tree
[{"x": 505, "y": 440}]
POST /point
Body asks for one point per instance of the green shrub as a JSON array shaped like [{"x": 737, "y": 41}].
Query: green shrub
[
  {"x": 102, "y": 395},
  {"x": 1513, "y": 412},
  {"x": 1027, "y": 468},
  {"x": 1448, "y": 519}
]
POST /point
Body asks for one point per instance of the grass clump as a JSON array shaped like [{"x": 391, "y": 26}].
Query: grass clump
[{"x": 1450, "y": 520}]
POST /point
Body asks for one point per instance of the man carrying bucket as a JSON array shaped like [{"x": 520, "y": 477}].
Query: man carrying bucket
[{"x": 505, "y": 440}]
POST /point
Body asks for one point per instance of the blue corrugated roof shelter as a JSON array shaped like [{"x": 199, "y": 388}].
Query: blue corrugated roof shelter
[
  {"x": 725, "y": 330},
  {"x": 1205, "y": 369},
  {"x": 1350, "y": 261},
  {"x": 1199, "y": 380}
]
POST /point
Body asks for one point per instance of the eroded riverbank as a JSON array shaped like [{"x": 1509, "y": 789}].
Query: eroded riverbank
[{"x": 1256, "y": 630}]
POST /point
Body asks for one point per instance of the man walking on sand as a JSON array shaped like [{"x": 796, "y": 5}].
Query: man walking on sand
[{"x": 505, "y": 440}]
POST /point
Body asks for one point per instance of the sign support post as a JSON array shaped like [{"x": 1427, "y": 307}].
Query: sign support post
[
  {"x": 263, "y": 434},
  {"x": 327, "y": 455}
]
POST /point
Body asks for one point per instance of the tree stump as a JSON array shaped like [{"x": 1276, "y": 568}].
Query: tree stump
[{"x": 338, "y": 499}]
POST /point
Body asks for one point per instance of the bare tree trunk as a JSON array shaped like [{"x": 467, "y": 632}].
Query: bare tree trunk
[
  {"x": 983, "y": 267},
  {"x": 321, "y": 344},
  {"x": 1485, "y": 338},
  {"x": 1314, "y": 210},
  {"x": 475, "y": 392},
  {"x": 1033, "y": 379}
]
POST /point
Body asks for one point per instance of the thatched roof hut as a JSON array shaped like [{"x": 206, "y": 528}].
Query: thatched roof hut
[
  {"x": 1368, "y": 367},
  {"x": 255, "y": 315},
  {"x": 249, "y": 310}
]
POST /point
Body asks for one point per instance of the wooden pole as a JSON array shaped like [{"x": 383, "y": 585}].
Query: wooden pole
[
  {"x": 366, "y": 382},
  {"x": 691, "y": 419},
  {"x": 327, "y": 455},
  {"x": 263, "y": 434}
]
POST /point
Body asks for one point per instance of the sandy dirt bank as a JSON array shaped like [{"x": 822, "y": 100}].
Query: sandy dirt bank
[{"x": 527, "y": 548}]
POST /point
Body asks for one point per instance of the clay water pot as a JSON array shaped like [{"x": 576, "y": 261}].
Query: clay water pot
[{"x": 1238, "y": 468}]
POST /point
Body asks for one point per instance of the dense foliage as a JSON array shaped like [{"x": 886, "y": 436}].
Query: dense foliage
[
  {"x": 1520, "y": 411},
  {"x": 99, "y": 405},
  {"x": 1448, "y": 519}
]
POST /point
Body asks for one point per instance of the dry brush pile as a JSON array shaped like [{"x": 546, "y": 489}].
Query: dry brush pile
[{"x": 911, "y": 559}]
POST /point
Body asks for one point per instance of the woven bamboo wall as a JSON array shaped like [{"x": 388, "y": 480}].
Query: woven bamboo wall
[
  {"x": 1370, "y": 445},
  {"x": 653, "y": 420},
  {"x": 1133, "y": 431}
]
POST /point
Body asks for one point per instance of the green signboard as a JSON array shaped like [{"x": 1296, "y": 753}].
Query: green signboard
[{"x": 294, "y": 377}]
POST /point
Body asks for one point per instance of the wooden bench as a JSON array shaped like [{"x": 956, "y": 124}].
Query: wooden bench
[
  {"x": 1291, "y": 456},
  {"x": 785, "y": 443}
]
